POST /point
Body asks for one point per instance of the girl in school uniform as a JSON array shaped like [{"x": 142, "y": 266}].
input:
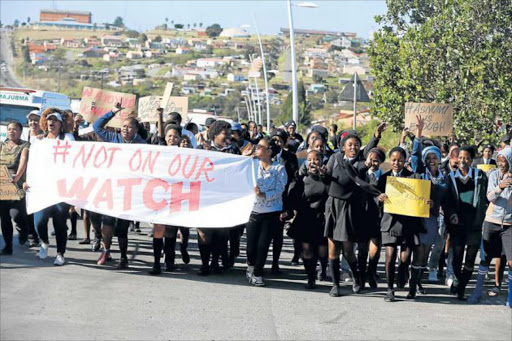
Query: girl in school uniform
[
  {"x": 426, "y": 162},
  {"x": 307, "y": 196},
  {"x": 397, "y": 230}
]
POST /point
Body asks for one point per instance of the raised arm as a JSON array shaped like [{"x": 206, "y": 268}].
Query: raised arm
[{"x": 99, "y": 125}]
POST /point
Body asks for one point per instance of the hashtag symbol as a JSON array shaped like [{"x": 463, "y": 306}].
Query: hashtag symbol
[{"x": 61, "y": 150}]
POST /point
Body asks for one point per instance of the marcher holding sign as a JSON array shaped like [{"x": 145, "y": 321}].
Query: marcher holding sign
[
  {"x": 438, "y": 118},
  {"x": 13, "y": 163},
  {"x": 397, "y": 229},
  {"x": 96, "y": 102},
  {"x": 426, "y": 161}
]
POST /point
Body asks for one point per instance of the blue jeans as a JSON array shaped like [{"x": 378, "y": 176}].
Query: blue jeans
[{"x": 59, "y": 214}]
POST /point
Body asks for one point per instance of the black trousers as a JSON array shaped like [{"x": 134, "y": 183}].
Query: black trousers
[
  {"x": 259, "y": 235},
  {"x": 13, "y": 210}
]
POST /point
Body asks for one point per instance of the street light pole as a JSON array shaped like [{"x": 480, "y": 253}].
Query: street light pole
[
  {"x": 355, "y": 100},
  {"x": 265, "y": 77},
  {"x": 295, "y": 102}
]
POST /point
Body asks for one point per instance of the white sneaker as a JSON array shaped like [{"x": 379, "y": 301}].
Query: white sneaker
[
  {"x": 257, "y": 281},
  {"x": 432, "y": 276},
  {"x": 249, "y": 272},
  {"x": 449, "y": 281},
  {"x": 59, "y": 260},
  {"x": 43, "y": 251}
]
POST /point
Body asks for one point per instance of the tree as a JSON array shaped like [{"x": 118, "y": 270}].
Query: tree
[
  {"x": 200, "y": 24},
  {"x": 16, "y": 23},
  {"x": 132, "y": 34},
  {"x": 453, "y": 51},
  {"x": 195, "y": 25},
  {"x": 143, "y": 38},
  {"x": 26, "y": 54},
  {"x": 213, "y": 30},
  {"x": 178, "y": 26},
  {"x": 188, "y": 26},
  {"x": 28, "y": 20},
  {"x": 157, "y": 39},
  {"x": 331, "y": 96},
  {"x": 59, "y": 55},
  {"x": 118, "y": 21},
  {"x": 286, "y": 112}
]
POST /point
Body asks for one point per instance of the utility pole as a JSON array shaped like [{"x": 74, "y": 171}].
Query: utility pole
[
  {"x": 58, "y": 87},
  {"x": 355, "y": 100}
]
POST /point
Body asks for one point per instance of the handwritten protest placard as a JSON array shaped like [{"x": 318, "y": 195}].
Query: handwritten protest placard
[
  {"x": 438, "y": 118},
  {"x": 167, "y": 95},
  {"x": 179, "y": 105},
  {"x": 8, "y": 190},
  {"x": 485, "y": 168},
  {"x": 147, "y": 108},
  {"x": 97, "y": 102},
  {"x": 146, "y": 183},
  {"x": 407, "y": 197}
]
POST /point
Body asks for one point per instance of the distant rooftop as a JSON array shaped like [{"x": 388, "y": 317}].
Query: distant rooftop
[
  {"x": 65, "y": 12},
  {"x": 316, "y": 32}
]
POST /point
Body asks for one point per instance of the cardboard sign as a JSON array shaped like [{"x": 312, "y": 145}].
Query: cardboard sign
[
  {"x": 97, "y": 102},
  {"x": 8, "y": 190},
  {"x": 167, "y": 95},
  {"x": 177, "y": 104},
  {"x": 407, "y": 197},
  {"x": 438, "y": 118},
  {"x": 147, "y": 108},
  {"x": 485, "y": 168},
  {"x": 143, "y": 182}
]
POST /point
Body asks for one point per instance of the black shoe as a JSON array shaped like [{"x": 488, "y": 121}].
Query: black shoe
[
  {"x": 22, "y": 240},
  {"x": 421, "y": 289},
  {"x": 295, "y": 260},
  {"x": 390, "y": 296},
  {"x": 216, "y": 269},
  {"x": 155, "y": 271},
  {"x": 335, "y": 292},
  {"x": 170, "y": 267},
  {"x": 372, "y": 280},
  {"x": 321, "y": 275},
  {"x": 6, "y": 252},
  {"x": 185, "y": 257},
  {"x": 275, "y": 270},
  {"x": 123, "y": 264},
  {"x": 411, "y": 295},
  {"x": 96, "y": 245},
  {"x": 72, "y": 236},
  {"x": 137, "y": 230},
  {"x": 33, "y": 243},
  {"x": 204, "y": 271},
  {"x": 53, "y": 233},
  {"x": 311, "y": 284},
  {"x": 356, "y": 286},
  {"x": 85, "y": 241}
]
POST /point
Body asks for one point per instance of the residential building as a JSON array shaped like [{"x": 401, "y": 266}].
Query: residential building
[
  {"x": 70, "y": 43},
  {"x": 134, "y": 55},
  {"x": 183, "y": 50},
  {"x": 111, "y": 41},
  {"x": 92, "y": 42},
  {"x": 209, "y": 62},
  {"x": 56, "y": 15},
  {"x": 235, "y": 78}
]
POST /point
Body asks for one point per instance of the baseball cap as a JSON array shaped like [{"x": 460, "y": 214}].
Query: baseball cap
[
  {"x": 209, "y": 121},
  {"x": 34, "y": 112},
  {"x": 236, "y": 126},
  {"x": 56, "y": 115}
]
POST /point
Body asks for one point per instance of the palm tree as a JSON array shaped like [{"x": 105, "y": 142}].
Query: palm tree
[
  {"x": 188, "y": 26},
  {"x": 195, "y": 25},
  {"x": 200, "y": 24}
]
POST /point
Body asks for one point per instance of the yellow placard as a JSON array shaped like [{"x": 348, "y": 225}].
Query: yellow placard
[
  {"x": 485, "y": 168},
  {"x": 407, "y": 197}
]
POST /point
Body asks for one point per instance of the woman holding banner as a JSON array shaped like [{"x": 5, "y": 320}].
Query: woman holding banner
[
  {"x": 111, "y": 225},
  {"x": 14, "y": 155},
  {"x": 465, "y": 207},
  {"x": 171, "y": 134},
  {"x": 213, "y": 241},
  {"x": 265, "y": 216},
  {"x": 397, "y": 230},
  {"x": 426, "y": 162},
  {"x": 56, "y": 125}
]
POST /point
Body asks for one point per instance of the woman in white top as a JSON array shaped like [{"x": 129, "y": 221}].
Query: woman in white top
[{"x": 271, "y": 182}]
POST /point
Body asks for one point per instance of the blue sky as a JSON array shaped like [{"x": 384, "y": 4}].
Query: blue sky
[{"x": 336, "y": 15}]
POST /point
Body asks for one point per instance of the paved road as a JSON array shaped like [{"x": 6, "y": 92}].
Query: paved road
[
  {"x": 286, "y": 72},
  {"x": 84, "y": 301},
  {"x": 7, "y": 78}
]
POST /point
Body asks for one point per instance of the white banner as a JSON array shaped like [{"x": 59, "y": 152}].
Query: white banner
[{"x": 146, "y": 183}]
